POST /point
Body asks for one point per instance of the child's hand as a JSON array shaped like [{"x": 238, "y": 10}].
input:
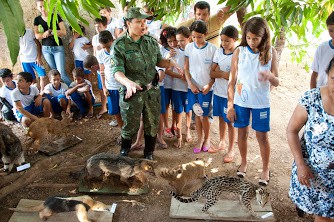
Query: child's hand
[
  {"x": 39, "y": 61},
  {"x": 194, "y": 89},
  {"x": 264, "y": 75},
  {"x": 75, "y": 35},
  {"x": 38, "y": 101},
  {"x": 46, "y": 34},
  {"x": 231, "y": 115},
  {"x": 105, "y": 91},
  {"x": 206, "y": 89}
]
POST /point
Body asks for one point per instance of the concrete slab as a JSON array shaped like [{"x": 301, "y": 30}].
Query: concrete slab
[
  {"x": 63, "y": 217},
  {"x": 224, "y": 210},
  {"x": 59, "y": 145}
]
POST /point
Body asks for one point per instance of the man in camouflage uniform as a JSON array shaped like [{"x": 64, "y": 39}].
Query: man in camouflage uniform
[{"x": 134, "y": 57}]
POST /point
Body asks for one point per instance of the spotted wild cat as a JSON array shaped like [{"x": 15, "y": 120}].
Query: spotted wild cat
[{"x": 212, "y": 188}]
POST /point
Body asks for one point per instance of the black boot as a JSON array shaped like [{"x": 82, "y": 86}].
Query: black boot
[
  {"x": 125, "y": 147},
  {"x": 149, "y": 146}
]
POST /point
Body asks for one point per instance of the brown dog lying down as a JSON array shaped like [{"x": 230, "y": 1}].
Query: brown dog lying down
[{"x": 54, "y": 205}]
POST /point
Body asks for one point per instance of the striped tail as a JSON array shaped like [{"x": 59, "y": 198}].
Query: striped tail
[{"x": 185, "y": 199}]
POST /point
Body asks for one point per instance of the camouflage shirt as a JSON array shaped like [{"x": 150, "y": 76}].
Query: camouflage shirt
[{"x": 136, "y": 59}]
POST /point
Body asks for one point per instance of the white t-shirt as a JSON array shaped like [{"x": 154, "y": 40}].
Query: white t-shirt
[
  {"x": 28, "y": 48},
  {"x": 95, "y": 40},
  {"x": 179, "y": 84},
  {"x": 168, "y": 80},
  {"x": 104, "y": 58},
  {"x": 26, "y": 99},
  {"x": 6, "y": 92},
  {"x": 249, "y": 91},
  {"x": 121, "y": 23},
  {"x": 56, "y": 92},
  {"x": 73, "y": 84},
  {"x": 114, "y": 23},
  {"x": 79, "y": 53},
  {"x": 154, "y": 28},
  {"x": 200, "y": 60},
  {"x": 224, "y": 62},
  {"x": 323, "y": 55}
]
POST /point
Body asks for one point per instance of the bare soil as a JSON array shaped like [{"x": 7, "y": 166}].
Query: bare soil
[{"x": 99, "y": 136}]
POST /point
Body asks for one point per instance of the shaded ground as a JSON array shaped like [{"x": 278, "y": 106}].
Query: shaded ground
[{"x": 294, "y": 81}]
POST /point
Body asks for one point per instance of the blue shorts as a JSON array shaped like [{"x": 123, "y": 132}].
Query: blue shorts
[
  {"x": 203, "y": 100},
  {"x": 113, "y": 102},
  {"x": 35, "y": 110},
  {"x": 31, "y": 66},
  {"x": 168, "y": 96},
  {"x": 180, "y": 100},
  {"x": 79, "y": 64},
  {"x": 99, "y": 81},
  {"x": 80, "y": 101},
  {"x": 220, "y": 107},
  {"x": 260, "y": 118},
  {"x": 162, "y": 100},
  {"x": 55, "y": 102}
]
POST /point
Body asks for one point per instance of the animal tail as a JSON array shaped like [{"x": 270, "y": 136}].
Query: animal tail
[
  {"x": 185, "y": 199},
  {"x": 28, "y": 209}
]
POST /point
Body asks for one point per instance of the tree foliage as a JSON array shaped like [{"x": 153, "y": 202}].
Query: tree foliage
[{"x": 297, "y": 18}]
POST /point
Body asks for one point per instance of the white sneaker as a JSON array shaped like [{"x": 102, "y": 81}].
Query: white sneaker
[{"x": 113, "y": 123}]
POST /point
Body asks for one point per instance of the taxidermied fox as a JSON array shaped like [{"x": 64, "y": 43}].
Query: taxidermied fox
[
  {"x": 105, "y": 165},
  {"x": 184, "y": 175},
  {"x": 54, "y": 205},
  {"x": 11, "y": 148},
  {"x": 45, "y": 127}
]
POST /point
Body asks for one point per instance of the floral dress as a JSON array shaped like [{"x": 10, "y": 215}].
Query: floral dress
[{"x": 317, "y": 145}]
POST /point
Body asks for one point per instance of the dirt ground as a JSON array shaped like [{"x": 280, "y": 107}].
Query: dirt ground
[{"x": 294, "y": 80}]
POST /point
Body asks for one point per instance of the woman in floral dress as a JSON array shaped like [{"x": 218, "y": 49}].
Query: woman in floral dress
[{"x": 312, "y": 179}]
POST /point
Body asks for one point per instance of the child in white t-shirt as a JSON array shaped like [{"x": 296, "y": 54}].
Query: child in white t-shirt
[
  {"x": 6, "y": 102},
  {"x": 27, "y": 101},
  {"x": 81, "y": 93},
  {"x": 31, "y": 57},
  {"x": 113, "y": 23},
  {"x": 79, "y": 45},
  {"x": 253, "y": 71},
  {"x": 55, "y": 92},
  {"x": 100, "y": 25},
  {"x": 220, "y": 71},
  {"x": 199, "y": 55}
]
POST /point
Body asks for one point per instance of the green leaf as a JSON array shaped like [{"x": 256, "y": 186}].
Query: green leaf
[
  {"x": 71, "y": 19},
  {"x": 49, "y": 6},
  {"x": 54, "y": 25},
  {"x": 17, "y": 11},
  {"x": 90, "y": 9},
  {"x": 105, "y": 3},
  {"x": 74, "y": 9},
  {"x": 10, "y": 30}
]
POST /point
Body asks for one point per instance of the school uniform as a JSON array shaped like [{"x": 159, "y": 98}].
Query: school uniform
[
  {"x": 154, "y": 28},
  {"x": 96, "y": 43},
  {"x": 28, "y": 54},
  {"x": 252, "y": 95},
  {"x": 7, "y": 110},
  {"x": 221, "y": 85},
  {"x": 103, "y": 57},
  {"x": 112, "y": 26},
  {"x": 78, "y": 98},
  {"x": 322, "y": 57},
  {"x": 200, "y": 60},
  {"x": 179, "y": 86},
  {"x": 79, "y": 53},
  {"x": 168, "y": 80},
  {"x": 56, "y": 95},
  {"x": 27, "y": 102}
]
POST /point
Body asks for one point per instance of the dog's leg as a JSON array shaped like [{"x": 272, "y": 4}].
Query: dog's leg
[{"x": 82, "y": 213}]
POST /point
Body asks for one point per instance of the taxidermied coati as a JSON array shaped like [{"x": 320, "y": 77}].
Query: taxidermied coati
[
  {"x": 185, "y": 174},
  {"x": 103, "y": 165},
  {"x": 54, "y": 205},
  {"x": 11, "y": 148},
  {"x": 41, "y": 130}
]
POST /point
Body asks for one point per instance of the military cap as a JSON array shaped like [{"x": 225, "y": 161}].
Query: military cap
[{"x": 136, "y": 12}]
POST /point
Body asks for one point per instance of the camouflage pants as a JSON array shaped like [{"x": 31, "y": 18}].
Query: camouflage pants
[{"x": 146, "y": 103}]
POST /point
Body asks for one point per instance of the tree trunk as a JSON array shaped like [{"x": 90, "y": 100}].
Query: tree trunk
[
  {"x": 280, "y": 44},
  {"x": 240, "y": 15}
]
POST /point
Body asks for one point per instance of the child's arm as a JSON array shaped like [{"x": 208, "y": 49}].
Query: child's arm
[
  {"x": 161, "y": 74},
  {"x": 231, "y": 86},
  {"x": 208, "y": 86},
  {"x": 39, "y": 53},
  {"x": 38, "y": 100},
  {"x": 62, "y": 30},
  {"x": 103, "y": 80},
  {"x": 313, "y": 82},
  {"x": 217, "y": 73},
  {"x": 193, "y": 88},
  {"x": 272, "y": 75},
  {"x": 74, "y": 37},
  {"x": 73, "y": 89},
  {"x": 18, "y": 106},
  {"x": 43, "y": 35},
  {"x": 174, "y": 74},
  {"x": 87, "y": 46}
]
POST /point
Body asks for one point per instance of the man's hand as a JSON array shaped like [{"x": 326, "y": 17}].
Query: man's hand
[{"x": 131, "y": 89}]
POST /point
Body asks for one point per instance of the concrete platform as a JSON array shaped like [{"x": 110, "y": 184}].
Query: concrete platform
[
  {"x": 63, "y": 217},
  {"x": 224, "y": 210}
]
